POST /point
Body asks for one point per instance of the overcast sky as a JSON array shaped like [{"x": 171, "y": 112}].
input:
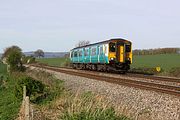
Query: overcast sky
[{"x": 57, "y": 25}]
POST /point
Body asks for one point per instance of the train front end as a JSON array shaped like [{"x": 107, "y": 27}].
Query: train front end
[{"x": 120, "y": 54}]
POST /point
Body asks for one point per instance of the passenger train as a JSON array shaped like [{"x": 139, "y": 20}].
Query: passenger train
[{"x": 109, "y": 55}]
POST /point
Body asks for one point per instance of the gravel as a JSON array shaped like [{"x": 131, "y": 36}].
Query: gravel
[{"x": 136, "y": 103}]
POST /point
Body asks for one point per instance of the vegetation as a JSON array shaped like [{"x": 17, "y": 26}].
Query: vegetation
[
  {"x": 82, "y": 43},
  {"x": 39, "y": 53},
  {"x": 8, "y": 50},
  {"x": 28, "y": 59},
  {"x": 156, "y": 51},
  {"x": 9, "y": 104},
  {"x": 12, "y": 56},
  {"x": 33, "y": 87},
  {"x": 165, "y": 61},
  {"x": 55, "y": 61},
  {"x": 175, "y": 72},
  {"x": 59, "y": 103}
]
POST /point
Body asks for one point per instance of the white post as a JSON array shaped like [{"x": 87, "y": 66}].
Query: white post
[{"x": 27, "y": 110}]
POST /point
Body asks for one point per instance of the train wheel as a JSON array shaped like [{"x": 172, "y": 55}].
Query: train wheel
[{"x": 94, "y": 67}]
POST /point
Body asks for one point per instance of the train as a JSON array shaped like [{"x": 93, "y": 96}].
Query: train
[{"x": 109, "y": 55}]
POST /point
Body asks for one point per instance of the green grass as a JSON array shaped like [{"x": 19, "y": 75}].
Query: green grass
[
  {"x": 165, "y": 61},
  {"x": 9, "y": 105},
  {"x": 54, "y": 61}
]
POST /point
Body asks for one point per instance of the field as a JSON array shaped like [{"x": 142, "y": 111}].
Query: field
[
  {"x": 54, "y": 61},
  {"x": 9, "y": 105},
  {"x": 165, "y": 61}
]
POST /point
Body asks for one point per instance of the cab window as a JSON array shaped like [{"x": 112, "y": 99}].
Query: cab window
[
  {"x": 128, "y": 48},
  {"x": 112, "y": 47}
]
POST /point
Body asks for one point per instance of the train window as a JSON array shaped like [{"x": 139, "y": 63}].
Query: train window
[
  {"x": 101, "y": 50},
  {"x": 93, "y": 51},
  {"x": 71, "y": 54},
  {"x": 86, "y": 52},
  {"x": 128, "y": 48},
  {"x": 75, "y": 54},
  {"x": 112, "y": 47},
  {"x": 80, "y": 53}
]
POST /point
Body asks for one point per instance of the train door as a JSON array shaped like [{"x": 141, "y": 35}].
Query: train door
[
  {"x": 98, "y": 58},
  {"x": 86, "y": 55},
  {"x": 120, "y": 52}
]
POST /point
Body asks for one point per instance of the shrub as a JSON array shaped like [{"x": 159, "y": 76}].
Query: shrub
[
  {"x": 33, "y": 87},
  {"x": 28, "y": 59}
]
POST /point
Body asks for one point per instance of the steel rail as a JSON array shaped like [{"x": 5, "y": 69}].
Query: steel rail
[{"x": 168, "y": 89}]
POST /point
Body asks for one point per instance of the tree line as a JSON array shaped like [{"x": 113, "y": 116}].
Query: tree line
[{"x": 156, "y": 51}]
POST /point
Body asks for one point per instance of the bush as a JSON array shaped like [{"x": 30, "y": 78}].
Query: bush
[
  {"x": 33, "y": 87},
  {"x": 28, "y": 59}
]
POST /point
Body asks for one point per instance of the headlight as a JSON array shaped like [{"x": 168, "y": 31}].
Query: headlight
[{"x": 111, "y": 58}]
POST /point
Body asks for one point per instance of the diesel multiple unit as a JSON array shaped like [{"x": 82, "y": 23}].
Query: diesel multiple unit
[{"x": 113, "y": 54}]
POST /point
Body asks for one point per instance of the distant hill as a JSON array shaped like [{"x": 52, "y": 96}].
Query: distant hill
[{"x": 49, "y": 54}]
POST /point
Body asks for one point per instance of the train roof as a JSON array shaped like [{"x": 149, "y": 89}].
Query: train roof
[{"x": 106, "y": 41}]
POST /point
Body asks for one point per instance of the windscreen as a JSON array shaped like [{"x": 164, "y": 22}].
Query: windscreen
[
  {"x": 128, "y": 48},
  {"x": 112, "y": 47}
]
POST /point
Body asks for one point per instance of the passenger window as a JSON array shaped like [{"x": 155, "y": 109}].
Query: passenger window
[
  {"x": 93, "y": 51},
  {"x": 112, "y": 47},
  {"x": 86, "y": 52},
  {"x": 101, "y": 50},
  {"x": 75, "y": 54},
  {"x": 80, "y": 53}
]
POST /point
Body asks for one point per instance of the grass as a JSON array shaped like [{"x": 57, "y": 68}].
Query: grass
[
  {"x": 59, "y": 62},
  {"x": 165, "y": 61},
  {"x": 63, "y": 104},
  {"x": 9, "y": 105}
]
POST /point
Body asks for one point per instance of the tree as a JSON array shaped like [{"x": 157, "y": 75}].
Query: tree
[
  {"x": 13, "y": 56},
  {"x": 39, "y": 53},
  {"x": 10, "y": 49},
  {"x": 82, "y": 43}
]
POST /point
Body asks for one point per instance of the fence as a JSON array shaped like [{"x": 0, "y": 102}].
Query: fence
[{"x": 27, "y": 111}]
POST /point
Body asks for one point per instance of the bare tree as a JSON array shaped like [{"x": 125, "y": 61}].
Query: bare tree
[
  {"x": 39, "y": 53},
  {"x": 82, "y": 43}
]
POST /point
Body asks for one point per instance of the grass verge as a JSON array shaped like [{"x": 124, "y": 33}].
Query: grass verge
[
  {"x": 59, "y": 62},
  {"x": 60, "y": 103},
  {"x": 9, "y": 104}
]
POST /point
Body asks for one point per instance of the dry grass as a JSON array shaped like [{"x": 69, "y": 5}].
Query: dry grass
[
  {"x": 74, "y": 106},
  {"x": 68, "y": 105}
]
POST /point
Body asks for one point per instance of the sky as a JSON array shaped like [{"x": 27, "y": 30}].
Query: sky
[{"x": 57, "y": 25}]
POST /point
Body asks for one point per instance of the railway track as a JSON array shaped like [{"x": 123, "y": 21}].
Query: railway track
[{"x": 168, "y": 89}]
